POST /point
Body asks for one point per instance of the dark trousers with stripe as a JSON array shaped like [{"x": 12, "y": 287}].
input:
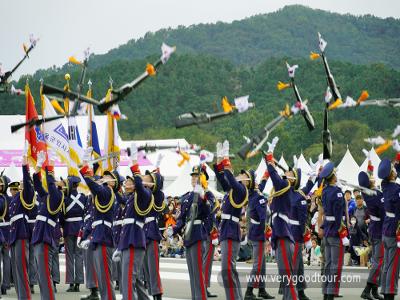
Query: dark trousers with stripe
[
  {"x": 73, "y": 261},
  {"x": 230, "y": 276},
  {"x": 334, "y": 255},
  {"x": 132, "y": 263},
  {"x": 32, "y": 268},
  {"x": 20, "y": 259},
  {"x": 102, "y": 264},
  {"x": 55, "y": 262},
  {"x": 90, "y": 274},
  {"x": 284, "y": 259},
  {"x": 298, "y": 266},
  {"x": 259, "y": 268},
  {"x": 151, "y": 268},
  {"x": 377, "y": 262},
  {"x": 6, "y": 259},
  {"x": 116, "y": 271},
  {"x": 391, "y": 264},
  {"x": 208, "y": 259},
  {"x": 194, "y": 260},
  {"x": 42, "y": 256}
]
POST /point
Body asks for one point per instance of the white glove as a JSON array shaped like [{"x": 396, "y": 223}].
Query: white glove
[
  {"x": 215, "y": 242},
  {"x": 85, "y": 244},
  {"x": 219, "y": 150},
  {"x": 78, "y": 242},
  {"x": 396, "y": 131},
  {"x": 272, "y": 145},
  {"x": 199, "y": 190},
  {"x": 291, "y": 70},
  {"x": 87, "y": 154},
  {"x": 308, "y": 245},
  {"x": 116, "y": 257},
  {"x": 170, "y": 232},
  {"x": 225, "y": 149},
  {"x": 345, "y": 241},
  {"x": 133, "y": 152},
  {"x": 41, "y": 157},
  {"x": 396, "y": 145},
  {"x": 367, "y": 154},
  {"x": 398, "y": 244}
]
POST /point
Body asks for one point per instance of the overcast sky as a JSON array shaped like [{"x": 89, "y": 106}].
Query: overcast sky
[{"x": 67, "y": 27}]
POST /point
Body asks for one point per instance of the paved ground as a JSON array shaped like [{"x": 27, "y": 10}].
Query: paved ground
[{"x": 175, "y": 280}]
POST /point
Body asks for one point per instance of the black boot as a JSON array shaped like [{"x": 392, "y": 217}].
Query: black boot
[
  {"x": 116, "y": 286},
  {"x": 76, "y": 287},
  {"x": 390, "y": 296},
  {"x": 93, "y": 295},
  {"x": 3, "y": 291},
  {"x": 366, "y": 294},
  {"x": 210, "y": 295},
  {"x": 375, "y": 293},
  {"x": 55, "y": 287},
  {"x": 32, "y": 288},
  {"x": 302, "y": 295},
  {"x": 262, "y": 293},
  {"x": 71, "y": 288},
  {"x": 157, "y": 297},
  {"x": 249, "y": 294}
]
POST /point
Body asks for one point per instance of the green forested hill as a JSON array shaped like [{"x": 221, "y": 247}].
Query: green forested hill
[{"x": 248, "y": 57}]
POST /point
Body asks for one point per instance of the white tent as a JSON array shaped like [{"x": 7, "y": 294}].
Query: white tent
[
  {"x": 348, "y": 168},
  {"x": 182, "y": 184},
  {"x": 375, "y": 162},
  {"x": 305, "y": 169}
]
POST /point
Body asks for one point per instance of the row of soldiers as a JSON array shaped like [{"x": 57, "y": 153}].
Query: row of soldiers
[{"x": 117, "y": 236}]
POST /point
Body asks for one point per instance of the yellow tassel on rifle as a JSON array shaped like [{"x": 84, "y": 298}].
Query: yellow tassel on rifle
[
  {"x": 384, "y": 147},
  {"x": 57, "y": 106},
  {"x": 364, "y": 96},
  {"x": 314, "y": 56},
  {"x": 286, "y": 112},
  {"x": 335, "y": 104},
  {"x": 281, "y": 85},
  {"x": 226, "y": 106},
  {"x": 25, "y": 48},
  {"x": 185, "y": 157},
  {"x": 73, "y": 60},
  {"x": 150, "y": 70}
]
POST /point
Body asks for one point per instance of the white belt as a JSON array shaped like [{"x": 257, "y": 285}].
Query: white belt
[
  {"x": 294, "y": 222},
  {"x": 86, "y": 217},
  {"x": 197, "y": 222},
  {"x": 330, "y": 218},
  {"x": 390, "y": 214},
  {"x": 254, "y": 222},
  {"x": 117, "y": 223},
  {"x": 101, "y": 222},
  {"x": 47, "y": 220},
  {"x": 18, "y": 217},
  {"x": 2, "y": 224},
  {"x": 149, "y": 219},
  {"x": 230, "y": 217},
  {"x": 282, "y": 216},
  {"x": 74, "y": 219},
  {"x": 373, "y": 218},
  {"x": 132, "y": 221},
  {"x": 31, "y": 221}
]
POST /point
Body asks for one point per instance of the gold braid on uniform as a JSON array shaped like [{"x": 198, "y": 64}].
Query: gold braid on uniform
[
  {"x": 301, "y": 193},
  {"x": 57, "y": 210},
  {"x": 280, "y": 192},
  {"x": 240, "y": 205},
  {"x": 5, "y": 208},
  {"x": 145, "y": 211},
  {"x": 104, "y": 208},
  {"x": 159, "y": 208},
  {"x": 25, "y": 204},
  {"x": 216, "y": 205}
]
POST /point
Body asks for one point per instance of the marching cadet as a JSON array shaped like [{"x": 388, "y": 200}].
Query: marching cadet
[
  {"x": 132, "y": 243},
  {"x": 258, "y": 214},
  {"x": 22, "y": 202},
  {"x": 335, "y": 232},
  {"x": 5, "y": 249},
  {"x": 209, "y": 245},
  {"x": 151, "y": 264},
  {"x": 102, "y": 238},
  {"x": 390, "y": 229},
  {"x": 298, "y": 219},
  {"x": 4, "y": 203},
  {"x": 194, "y": 245},
  {"x": 71, "y": 221},
  {"x": 83, "y": 242},
  {"x": 235, "y": 199},
  {"x": 282, "y": 239},
  {"x": 119, "y": 210},
  {"x": 43, "y": 233}
]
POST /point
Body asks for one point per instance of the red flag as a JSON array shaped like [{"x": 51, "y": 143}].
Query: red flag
[{"x": 34, "y": 137}]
